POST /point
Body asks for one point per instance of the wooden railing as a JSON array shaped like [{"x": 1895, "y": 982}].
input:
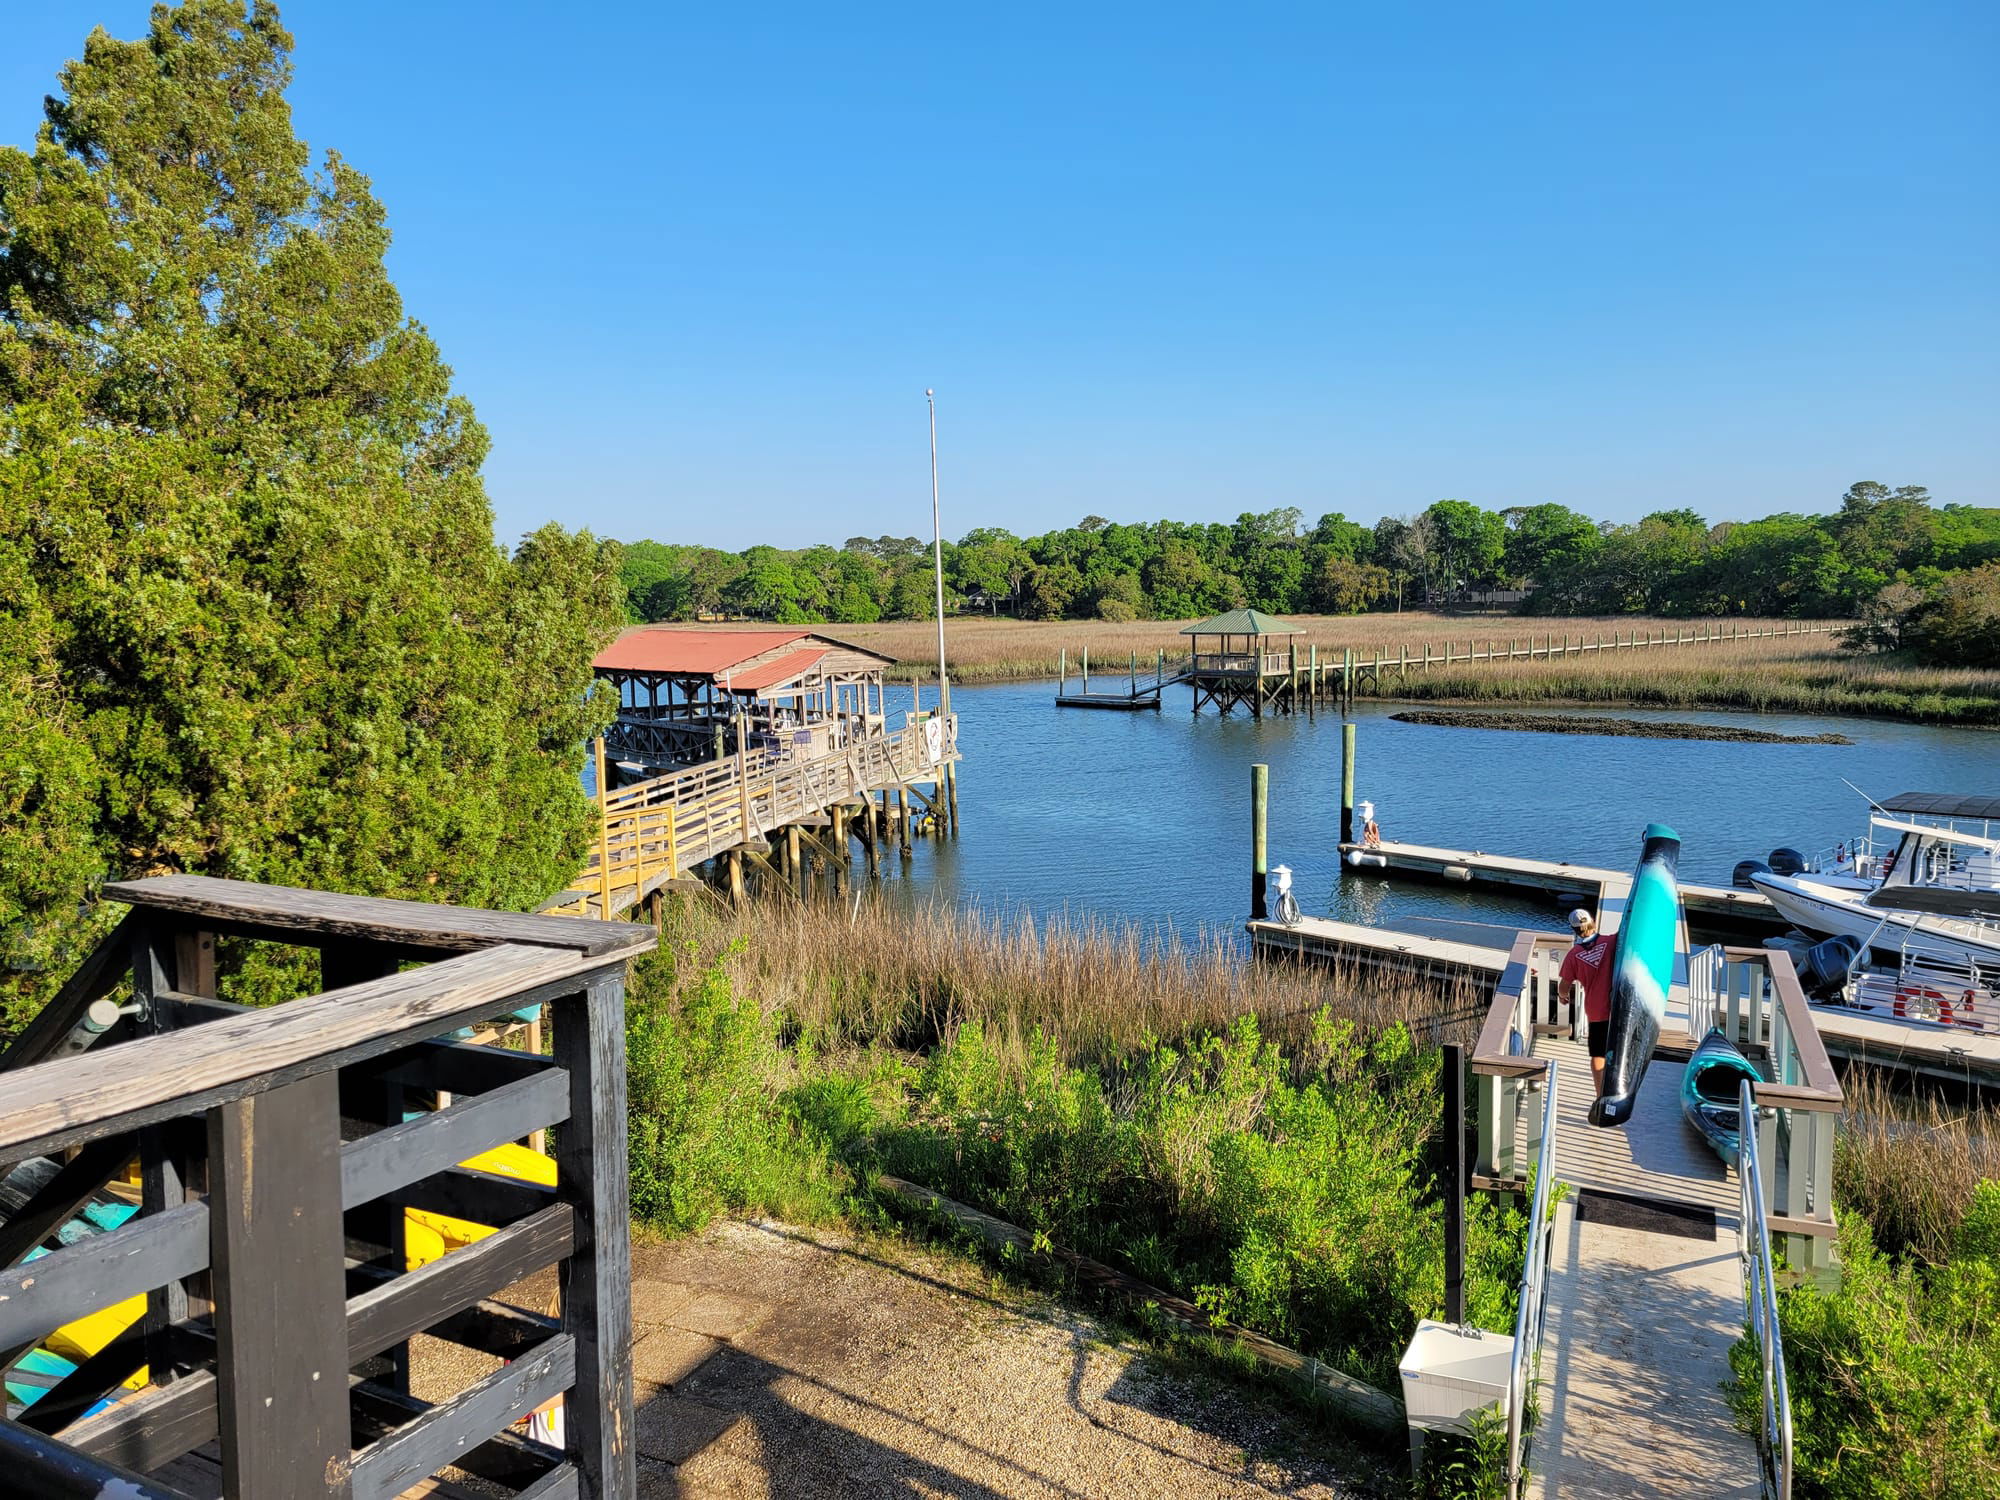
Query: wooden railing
[
  {"x": 1753, "y": 996},
  {"x": 1526, "y": 1005},
  {"x": 652, "y": 831},
  {"x": 276, "y": 1165}
]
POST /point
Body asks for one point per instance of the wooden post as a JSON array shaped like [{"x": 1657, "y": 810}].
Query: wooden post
[
  {"x": 903, "y": 824},
  {"x": 276, "y": 1252},
  {"x": 1347, "y": 782},
  {"x": 1062, "y": 671},
  {"x": 795, "y": 864},
  {"x": 1132, "y": 672},
  {"x": 839, "y": 816},
  {"x": 1346, "y": 678},
  {"x": 1260, "y": 781},
  {"x": 1312, "y": 671},
  {"x": 1086, "y": 670},
  {"x": 736, "y": 877},
  {"x": 603, "y": 832},
  {"x": 1454, "y": 1181},
  {"x": 592, "y": 1176}
]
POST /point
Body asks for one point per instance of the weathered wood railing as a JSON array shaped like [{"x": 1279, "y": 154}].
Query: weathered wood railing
[
  {"x": 276, "y": 1165},
  {"x": 1525, "y": 1006},
  {"x": 655, "y": 829},
  {"x": 1753, "y": 996}
]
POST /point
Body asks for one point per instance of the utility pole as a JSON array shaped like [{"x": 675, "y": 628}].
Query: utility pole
[{"x": 947, "y": 771}]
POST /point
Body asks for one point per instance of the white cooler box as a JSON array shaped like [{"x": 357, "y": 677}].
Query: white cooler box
[{"x": 1449, "y": 1371}]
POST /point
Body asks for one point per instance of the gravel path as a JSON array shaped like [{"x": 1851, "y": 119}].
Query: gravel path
[{"x": 781, "y": 1362}]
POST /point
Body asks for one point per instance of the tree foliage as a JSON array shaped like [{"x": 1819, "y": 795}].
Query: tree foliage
[{"x": 252, "y": 618}]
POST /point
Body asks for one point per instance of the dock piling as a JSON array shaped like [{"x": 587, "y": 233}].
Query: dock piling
[
  {"x": 1454, "y": 1177},
  {"x": 1347, "y": 782},
  {"x": 1260, "y": 783}
]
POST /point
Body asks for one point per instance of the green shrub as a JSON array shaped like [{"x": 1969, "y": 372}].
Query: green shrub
[
  {"x": 1895, "y": 1375},
  {"x": 709, "y": 1131}
]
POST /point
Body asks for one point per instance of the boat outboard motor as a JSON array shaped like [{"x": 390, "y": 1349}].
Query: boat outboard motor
[
  {"x": 1745, "y": 868},
  {"x": 1787, "y": 862},
  {"x": 1823, "y": 967}
]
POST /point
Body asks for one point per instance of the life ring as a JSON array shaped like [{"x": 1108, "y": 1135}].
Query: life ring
[{"x": 1921, "y": 1003}]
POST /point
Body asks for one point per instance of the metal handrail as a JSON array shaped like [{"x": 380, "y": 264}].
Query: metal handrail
[
  {"x": 1534, "y": 1294},
  {"x": 1760, "y": 1297}
]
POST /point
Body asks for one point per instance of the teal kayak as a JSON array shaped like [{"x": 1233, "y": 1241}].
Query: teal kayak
[
  {"x": 1711, "y": 1092},
  {"x": 1642, "y": 971}
]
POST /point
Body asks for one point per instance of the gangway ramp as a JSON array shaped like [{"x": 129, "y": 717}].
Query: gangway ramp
[{"x": 1645, "y": 1281}]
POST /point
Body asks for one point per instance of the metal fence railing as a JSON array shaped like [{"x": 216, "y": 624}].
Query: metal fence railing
[
  {"x": 1528, "y": 1317},
  {"x": 1760, "y": 1296}
]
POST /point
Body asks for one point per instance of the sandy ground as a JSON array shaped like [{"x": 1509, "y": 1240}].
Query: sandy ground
[{"x": 776, "y": 1361}]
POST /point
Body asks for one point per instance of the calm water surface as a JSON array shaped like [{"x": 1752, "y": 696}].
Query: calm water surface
[{"x": 1146, "y": 817}]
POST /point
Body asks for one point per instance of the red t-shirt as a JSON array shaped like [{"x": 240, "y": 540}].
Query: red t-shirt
[{"x": 1589, "y": 963}]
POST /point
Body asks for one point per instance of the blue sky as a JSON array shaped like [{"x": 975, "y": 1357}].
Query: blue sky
[{"x": 696, "y": 265}]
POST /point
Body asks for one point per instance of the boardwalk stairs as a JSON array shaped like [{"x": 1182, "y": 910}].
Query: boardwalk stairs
[
  {"x": 271, "y": 1156},
  {"x": 1640, "y": 1274}
]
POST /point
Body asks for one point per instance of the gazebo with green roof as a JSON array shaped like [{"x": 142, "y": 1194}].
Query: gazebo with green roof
[{"x": 1250, "y": 658}]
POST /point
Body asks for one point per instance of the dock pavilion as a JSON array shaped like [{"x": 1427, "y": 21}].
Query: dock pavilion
[
  {"x": 691, "y": 695},
  {"x": 1243, "y": 657}
]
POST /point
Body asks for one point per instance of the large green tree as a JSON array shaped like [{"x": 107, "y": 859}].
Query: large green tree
[{"x": 253, "y": 621}]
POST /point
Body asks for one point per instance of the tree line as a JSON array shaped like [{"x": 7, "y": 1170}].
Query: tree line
[{"x": 1671, "y": 562}]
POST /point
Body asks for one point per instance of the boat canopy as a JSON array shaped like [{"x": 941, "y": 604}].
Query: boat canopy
[
  {"x": 1943, "y": 805},
  {"x": 1942, "y": 835},
  {"x": 1936, "y": 900}
]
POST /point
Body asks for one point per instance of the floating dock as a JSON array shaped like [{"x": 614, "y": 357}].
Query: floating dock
[{"x": 1747, "y": 912}]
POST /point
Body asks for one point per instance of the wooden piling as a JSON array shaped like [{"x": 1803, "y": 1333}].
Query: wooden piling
[
  {"x": 1347, "y": 782},
  {"x": 1260, "y": 783},
  {"x": 736, "y": 877},
  {"x": 795, "y": 866},
  {"x": 1062, "y": 671},
  {"x": 1346, "y": 678},
  {"x": 903, "y": 823},
  {"x": 603, "y": 831}
]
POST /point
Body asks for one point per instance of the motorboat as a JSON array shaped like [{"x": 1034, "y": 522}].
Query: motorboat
[
  {"x": 1938, "y": 895},
  {"x": 1860, "y": 863}
]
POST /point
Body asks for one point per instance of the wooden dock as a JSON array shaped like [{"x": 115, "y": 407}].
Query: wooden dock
[
  {"x": 1716, "y": 906},
  {"x": 776, "y": 809}
]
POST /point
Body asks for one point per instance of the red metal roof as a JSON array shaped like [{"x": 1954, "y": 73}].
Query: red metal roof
[
  {"x": 694, "y": 653},
  {"x": 771, "y": 673}
]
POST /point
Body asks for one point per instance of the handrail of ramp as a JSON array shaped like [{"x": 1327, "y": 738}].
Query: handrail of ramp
[
  {"x": 1534, "y": 1295},
  {"x": 1760, "y": 1296}
]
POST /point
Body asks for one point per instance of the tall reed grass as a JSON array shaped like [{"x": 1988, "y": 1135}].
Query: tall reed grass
[
  {"x": 1911, "y": 1163},
  {"x": 1099, "y": 990}
]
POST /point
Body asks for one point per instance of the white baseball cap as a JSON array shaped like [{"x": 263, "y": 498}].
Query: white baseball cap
[{"x": 1578, "y": 917}]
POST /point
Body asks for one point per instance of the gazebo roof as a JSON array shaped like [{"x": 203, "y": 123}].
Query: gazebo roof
[{"x": 1240, "y": 622}]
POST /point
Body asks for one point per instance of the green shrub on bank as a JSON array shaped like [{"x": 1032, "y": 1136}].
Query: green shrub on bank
[
  {"x": 1895, "y": 1375},
  {"x": 1292, "y": 1193},
  {"x": 708, "y": 1131}
]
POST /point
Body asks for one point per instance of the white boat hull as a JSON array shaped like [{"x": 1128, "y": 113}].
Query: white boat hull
[{"x": 1831, "y": 912}]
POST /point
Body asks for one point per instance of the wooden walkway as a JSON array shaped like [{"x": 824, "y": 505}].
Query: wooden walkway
[
  {"x": 655, "y": 831},
  {"x": 1639, "y": 1322}
]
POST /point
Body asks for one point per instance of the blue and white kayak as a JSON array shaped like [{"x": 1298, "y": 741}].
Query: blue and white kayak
[
  {"x": 1642, "y": 972},
  {"x": 1711, "y": 1093}
]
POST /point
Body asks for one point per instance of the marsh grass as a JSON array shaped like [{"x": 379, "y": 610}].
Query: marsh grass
[
  {"x": 1772, "y": 674},
  {"x": 1098, "y": 989},
  {"x": 992, "y": 650},
  {"x": 1911, "y": 1164}
]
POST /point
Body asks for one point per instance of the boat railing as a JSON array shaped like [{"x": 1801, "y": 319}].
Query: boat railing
[
  {"x": 278, "y": 1151},
  {"x": 1760, "y": 1298},
  {"x": 1526, "y": 1006},
  {"x": 1522, "y": 1368},
  {"x": 1753, "y": 997}
]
